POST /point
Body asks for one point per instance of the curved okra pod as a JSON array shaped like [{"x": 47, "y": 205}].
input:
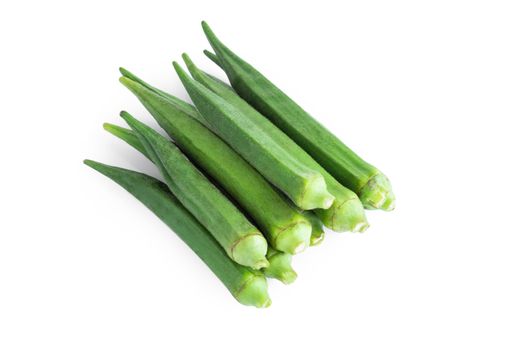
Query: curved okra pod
[
  {"x": 248, "y": 286},
  {"x": 372, "y": 186},
  {"x": 239, "y": 238}
]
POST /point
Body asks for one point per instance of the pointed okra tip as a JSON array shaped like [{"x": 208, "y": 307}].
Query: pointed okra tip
[
  {"x": 184, "y": 77},
  {"x": 316, "y": 238},
  {"x": 100, "y": 167},
  {"x": 193, "y": 69}
]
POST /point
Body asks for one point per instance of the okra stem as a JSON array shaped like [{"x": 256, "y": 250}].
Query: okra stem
[
  {"x": 372, "y": 187},
  {"x": 280, "y": 266}
]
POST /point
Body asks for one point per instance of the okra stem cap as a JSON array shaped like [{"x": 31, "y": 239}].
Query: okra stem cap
[
  {"x": 254, "y": 292},
  {"x": 294, "y": 239},
  {"x": 280, "y": 268},
  {"x": 250, "y": 250},
  {"x": 377, "y": 193},
  {"x": 316, "y": 194}
]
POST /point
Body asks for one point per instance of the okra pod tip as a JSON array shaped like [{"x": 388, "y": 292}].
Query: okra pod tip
[{"x": 377, "y": 193}]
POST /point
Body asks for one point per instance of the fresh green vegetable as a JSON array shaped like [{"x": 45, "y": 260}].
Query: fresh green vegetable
[
  {"x": 318, "y": 233},
  {"x": 346, "y": 213},
  {"x": 248, "y": 286},
  {"x": 284, "y": 227},
  {"x": 239, "y": 238},
  {"x": 183, "y": 106},
  {"x": 305, "y": 187},
  {"x": 369, "y": 183},
  {"x": 128, "y": 136},
  {"x": 280, "y": 266}
]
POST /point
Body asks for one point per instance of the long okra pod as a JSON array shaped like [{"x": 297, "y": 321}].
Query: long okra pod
[
  {"x": 346, "y": 213},
  {"x": 249, "y": 287},
  {"x": 284, "y": 227},
  {"x": 239, "y": 238},
  {"x": 372, "y": 186},
  {"x": 305, "y": 187}
]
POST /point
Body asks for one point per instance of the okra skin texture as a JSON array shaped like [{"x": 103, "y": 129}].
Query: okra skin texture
[
  {"x": 248, "y": 286},
  {"x": 341, "y": 162},
  {"x": 239, "y": 238},
  {"x": 346, "y": 213},
  {"x": 280, "y": 266},
  {"x": 283, "y": 226},
  {"x": 306, "y": 188}
]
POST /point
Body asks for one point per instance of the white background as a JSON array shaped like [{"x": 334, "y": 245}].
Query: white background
[{"x": 419, "y": 88}]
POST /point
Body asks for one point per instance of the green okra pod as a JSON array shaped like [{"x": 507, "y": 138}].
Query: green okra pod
[
  {"x": 346, "y": 212},
  {"x": 248, "y": 286},
  {"x": 283, "y": 225},
  {"x": 372, "y": 186},
  {"x": 305, "y": 187},
  {"x": 240, "y": 239}
]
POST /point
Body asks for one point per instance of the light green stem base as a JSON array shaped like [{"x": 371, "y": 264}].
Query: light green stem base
[
  {"x": 349, "y": 216},
  {"x": 254, "y": 292},
  {"x": 250, "y": 251},
  {"x": 377, "y": 193},
  {"x": 280, "y": 267},
  {"x": 294, "y": 239}
]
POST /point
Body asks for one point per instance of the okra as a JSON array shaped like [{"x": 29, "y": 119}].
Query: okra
[
  {"x": 372, "y": 186},
  {"x": 305, "y": 187},
  {"x": 248, "y": 286},
  {"x": 346, "y": 212},
  {"x": 318, "y": 233},
  {"x": 284, "y": 227},
  {"x": 280, "y": 266},
  {"x": 239, "y": 238}
]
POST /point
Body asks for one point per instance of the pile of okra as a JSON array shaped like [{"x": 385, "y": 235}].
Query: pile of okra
[{"x": 250, "y": 178}]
